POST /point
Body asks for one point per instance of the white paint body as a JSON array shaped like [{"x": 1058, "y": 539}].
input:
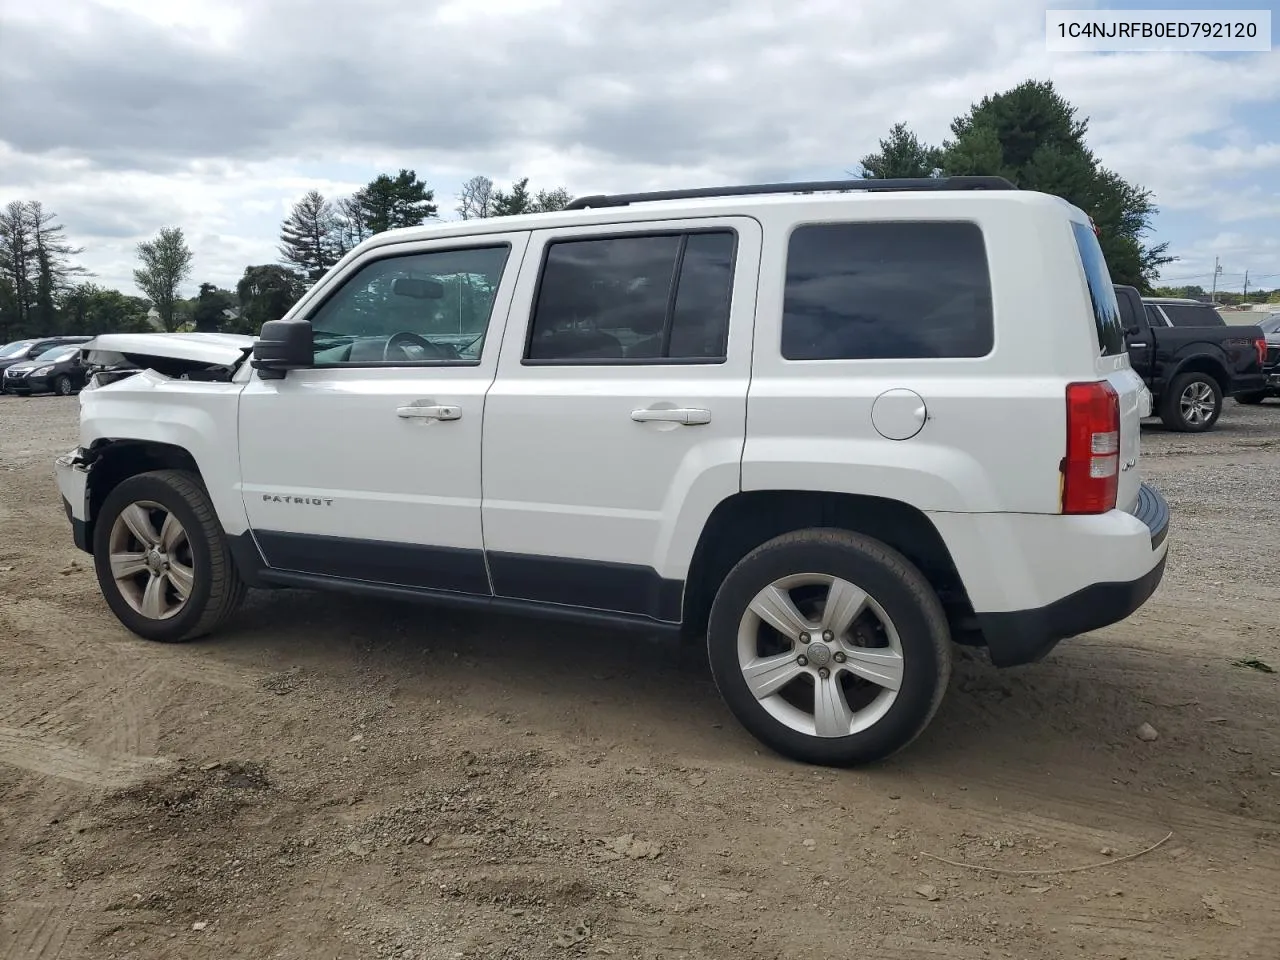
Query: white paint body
[{"x": 548, "y": 461}]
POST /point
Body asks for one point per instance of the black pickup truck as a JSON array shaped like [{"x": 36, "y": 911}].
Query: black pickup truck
[
  {"x": 1189, "y": 357},
  {"x": 1270, "y": 326}
]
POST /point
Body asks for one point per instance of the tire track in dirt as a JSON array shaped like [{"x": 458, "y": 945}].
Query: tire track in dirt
[
  {"x": 36, "y": 931},
  {"x": 45, "y": 755}
]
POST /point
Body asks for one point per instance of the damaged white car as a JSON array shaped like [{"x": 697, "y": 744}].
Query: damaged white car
[{"x": 173, "y": 356}]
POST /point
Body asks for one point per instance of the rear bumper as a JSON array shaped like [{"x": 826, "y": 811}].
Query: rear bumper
[
  {"x": 1089, "y": 571},
  {"x": 1249, "y": 383},
  {"x": 1025, "y": 636}
]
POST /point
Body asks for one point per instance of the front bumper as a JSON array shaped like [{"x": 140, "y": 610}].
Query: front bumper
[
  {"x": 28, "y": 385},
  {"x": 1025, "y": 636},
  {"x": 72, "y": 475}
]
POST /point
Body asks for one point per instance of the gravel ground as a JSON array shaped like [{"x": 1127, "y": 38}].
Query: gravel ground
[{"x": 341, "y": 778}]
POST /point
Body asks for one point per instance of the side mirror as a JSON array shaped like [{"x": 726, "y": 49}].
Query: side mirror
[{"x": 282, "y": 345}]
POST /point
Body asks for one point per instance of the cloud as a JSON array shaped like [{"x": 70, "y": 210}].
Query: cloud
[{"x": 133, "y": 114}]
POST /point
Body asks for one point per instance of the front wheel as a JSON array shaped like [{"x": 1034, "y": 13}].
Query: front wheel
[
  {"x": 1251, "y": 398},
  {"x": 162, "y": 558},
  {"x": 1192, "y": 403},
  {"x": 829, "y": 647},
  {"x": 62, "y": 385}
]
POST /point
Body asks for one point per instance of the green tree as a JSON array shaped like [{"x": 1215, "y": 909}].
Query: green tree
[
  {"x": 166, "y": 265},
  {"x": 16, "y": 268},
  {"x": 266, "y": 292},
  {"x": 389, "y": 202},
  {"x": 510, "y": 203},
  {"x": 549, "y": 200},
  {"x": 208, "y": 313},
  {"x": 902, "y": 155},
  {"x": 1033, "y": 137},
  {"x": 309, "y": 236},
  {"x": 35, "y": 264},
  {"x": 90, "y": 310}
]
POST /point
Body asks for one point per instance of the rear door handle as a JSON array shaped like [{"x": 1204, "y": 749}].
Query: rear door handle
[
  {"x": 686, "y": 415},
  {"x": 438, "y": 411}
]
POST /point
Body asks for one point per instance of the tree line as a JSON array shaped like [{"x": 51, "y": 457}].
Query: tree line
[
  {"x": 43, "y": 291},
  {"x": 1029, "y": 134}
]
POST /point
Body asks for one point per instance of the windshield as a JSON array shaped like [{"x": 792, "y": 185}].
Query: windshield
[
  {"x": 15, "y": 349},
  {"x": 58, "y": 354},
  {"x": 1271, "y": 324}
]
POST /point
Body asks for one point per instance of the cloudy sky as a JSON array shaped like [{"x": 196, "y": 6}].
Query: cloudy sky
[{"x": 124, "y": 116}]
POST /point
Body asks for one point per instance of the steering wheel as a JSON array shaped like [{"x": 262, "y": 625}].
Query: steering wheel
[{"x": 434, "y": 351}]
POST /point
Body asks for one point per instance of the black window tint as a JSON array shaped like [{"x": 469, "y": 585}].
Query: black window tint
[
  {"x": 1154, "y": 317},
  {"x": 1192, "y": 315},
  {"x": 1102, "y": 294},
  {"x": 612, "y": 298},
  {"x": 859, "y": 291},
  {"x": 700, "y": 323}
]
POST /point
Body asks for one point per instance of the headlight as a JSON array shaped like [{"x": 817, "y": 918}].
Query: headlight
[{"x": 41, "y": 371}]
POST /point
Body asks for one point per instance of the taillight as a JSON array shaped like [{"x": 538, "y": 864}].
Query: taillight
[
  {"x": 1260, "y": 345},
  {"x": 1091, "y": 468}
]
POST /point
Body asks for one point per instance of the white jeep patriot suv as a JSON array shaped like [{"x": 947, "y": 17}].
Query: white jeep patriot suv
[{"x": 833, "y": 427}]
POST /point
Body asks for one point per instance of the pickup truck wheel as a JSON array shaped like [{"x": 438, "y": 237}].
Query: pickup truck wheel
[
  {"x": 162, "y": 558},
  {"x": 829, "y": 647},
  {"x": 1192, "y": 404},
  {"x": 1250, "y": 398}
]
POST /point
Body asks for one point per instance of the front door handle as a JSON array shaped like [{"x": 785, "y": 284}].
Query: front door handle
[
  {"x": 685, "y": 415},
  {"x": 438, "y": 411}
]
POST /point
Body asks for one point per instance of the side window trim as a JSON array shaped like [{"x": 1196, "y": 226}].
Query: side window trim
[
  {"x": 382, "y": 254},
  {"x": 563, "y": 236}
]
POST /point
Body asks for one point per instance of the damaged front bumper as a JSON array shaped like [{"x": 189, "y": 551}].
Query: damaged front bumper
[{"x": 72, "y": 473}]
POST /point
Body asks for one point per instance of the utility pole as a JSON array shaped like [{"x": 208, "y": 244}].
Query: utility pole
[
  {"x": 1217, "y": 269},
  {"x": 1246, "y": 287}
]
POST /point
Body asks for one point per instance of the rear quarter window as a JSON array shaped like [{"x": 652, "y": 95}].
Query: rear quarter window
[
  {"x": 1102, "y": 295},
  {"x": 863, "y": 291},
  {"x": 1192, "y": 315}
]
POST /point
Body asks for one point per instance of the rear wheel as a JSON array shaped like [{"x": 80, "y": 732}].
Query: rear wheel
[
  {"x": 162, "y": 558},
  {"x": 829, "y": 647},
  {"x": 1192, "y": 404}
]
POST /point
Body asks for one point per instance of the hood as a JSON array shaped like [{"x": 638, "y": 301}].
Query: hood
[
  {"x": 216, "y": 349},
  {"x": 17, "y": 365}
]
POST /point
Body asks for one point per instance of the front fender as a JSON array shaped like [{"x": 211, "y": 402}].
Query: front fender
[{"x": 198, "y": 417}]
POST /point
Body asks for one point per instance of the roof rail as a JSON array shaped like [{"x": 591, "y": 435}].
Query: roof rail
[{"x": 812, "y": 186}]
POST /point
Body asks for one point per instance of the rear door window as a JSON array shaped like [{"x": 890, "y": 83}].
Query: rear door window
[
  {"x": 1106, "y": 311},
  {"x": 1192, "y": 315},
  {"x": 1155, "y": 317}
]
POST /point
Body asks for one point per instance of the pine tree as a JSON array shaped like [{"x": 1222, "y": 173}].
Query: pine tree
[{"x": 309, "y": 236}]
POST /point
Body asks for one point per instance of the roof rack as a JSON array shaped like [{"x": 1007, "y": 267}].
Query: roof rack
[{"x": 812, "y": 186}]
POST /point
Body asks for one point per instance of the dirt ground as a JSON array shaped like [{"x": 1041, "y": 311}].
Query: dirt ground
[{"x": 333, "y": 777}]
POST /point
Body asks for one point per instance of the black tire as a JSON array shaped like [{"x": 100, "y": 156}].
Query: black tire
[
  {"x": 217, "y": 589},
  {"x": 62, "y": 385},
  {"x": 895, "y": 584},
  {"x": 1171, "y": 407},
  {"x": 1251, "y": 398}
]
